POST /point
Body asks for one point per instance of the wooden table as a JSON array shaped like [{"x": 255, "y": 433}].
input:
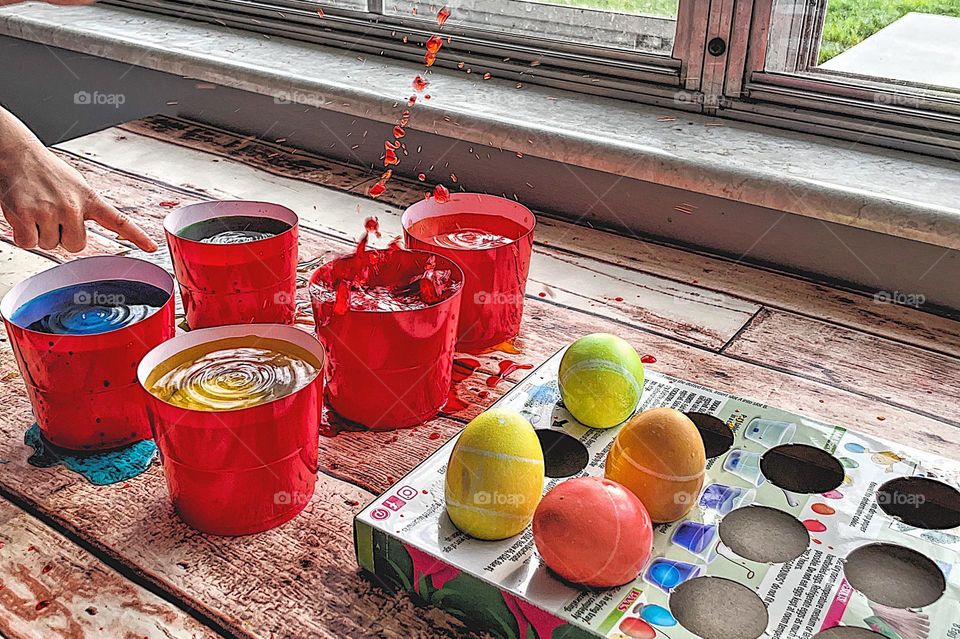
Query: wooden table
[{"x": 114, "y": 561}]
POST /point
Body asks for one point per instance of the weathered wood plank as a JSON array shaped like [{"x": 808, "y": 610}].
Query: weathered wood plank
[
  {"x": 299, "y": 580},
  {"x": 680, "y": 310},
  {"x": 16, "y": 264},
  {"x": 53, "y": 588},
  {"x": 913, "y": 378}
]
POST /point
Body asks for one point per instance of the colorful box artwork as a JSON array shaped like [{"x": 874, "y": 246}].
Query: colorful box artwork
[{"x": 848, "y": 541}]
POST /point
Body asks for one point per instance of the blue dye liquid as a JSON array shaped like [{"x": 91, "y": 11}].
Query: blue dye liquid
[
  {"x": 100, "y": 468},
  {"x": 667, "y": 574},
  {"x": 694, "y": 536},
  {"x": 91, "y": 307}
]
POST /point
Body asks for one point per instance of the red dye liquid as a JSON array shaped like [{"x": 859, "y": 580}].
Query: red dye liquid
[
  {"x": 420, "y": 83},
  {"x": 464, "y": 368},
  {"x": 390, "y": 158},
  {"x": 434, "y": 43},
  {"x": 454, "y": 404},
  {"x": 506, "y": 367},
  {"x": 377, "y": 190},
  {"x": 422, "y": 177},
  {"x": 648, "y": 359},
  {"x": 429, "y": 59},
  {"x": 442, "y": 194},
  {"x": 372, "y": 225},
  {"x": 398, "y": 132},
  {"x": 443, "y": 15}
]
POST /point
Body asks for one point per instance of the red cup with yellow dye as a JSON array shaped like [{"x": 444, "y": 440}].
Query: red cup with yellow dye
[
  {"x": 78, "y": 332},
  {"x": 235, "y": 261},
  {"x": 388, "y": 320},
  {"x": 235, "y": 411},
  {"x": 491, "y": 239}
]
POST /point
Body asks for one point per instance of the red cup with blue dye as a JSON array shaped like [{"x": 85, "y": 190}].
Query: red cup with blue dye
[
  {"x": 388, "y": 320},
  {"x": 78, "y": 332},
  {"x": 491, "y": 239},
  {"x": 235, "y": 411},
  {"x": 235, "y": 261}
]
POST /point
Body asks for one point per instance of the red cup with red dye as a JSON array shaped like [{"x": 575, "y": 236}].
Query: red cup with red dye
[
  {"x": 388, "y": 320},
  {"x": 236, "y": 412},
  {"x": 491, "y": 239},
  {"x": 78, "y": 332},
  {"x": 235, "y": 261}
]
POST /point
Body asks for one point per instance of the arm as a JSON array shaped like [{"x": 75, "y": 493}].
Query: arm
[{"x": 46, "y": 200}]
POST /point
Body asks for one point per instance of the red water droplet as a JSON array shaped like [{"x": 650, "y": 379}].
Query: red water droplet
[
  {"x": 542, "y": 294},
  {"x": 506, "y": 367},
  {"x": 169, "y": 204},
  {"x": 320, "y": 12},
  {"x": 460, "y": 65},
  {"x": 377, "y": 190},
  {"x": 390, "y": 158},
  {"x": 442, "y": 194},
  {"x": 454, "y": 403},
  {"x": 420, "y": 83},
  {"x": 372, "y": 225},
  {"x": 814, "y": 526},
  {"x": 487, "y": 76},
  {"x": 398, "y": 132},
  {"x": 404, "y": 118},
  {"x": 422, "y": 177},
  {"x": 429, "y": 59},
  {"x": 618, "y": 299},
  {"x": 443, "y": 15},
  {"x": 483, "y": 394},
  {"x": 464, "y": 368},
  {"x": 46, "y": 569},
  {"x": 648, "y": 359},
  {"x": 434, "y": 43},
  {"x": 412, "y": 100},
  {"x": 816, "y": 541},
  {"x": 434, "y": 435},
  {"x": 426, "y": 97}
]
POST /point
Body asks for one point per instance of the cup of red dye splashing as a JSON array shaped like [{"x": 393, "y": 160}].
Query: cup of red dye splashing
[
  {"x": 235, "y": 261},
  {"x": 491, "y": 239},
  {"x": 78, "y": 332},
  {"x": 389, "y": 322},
  {"x": 236, "y": 412}
]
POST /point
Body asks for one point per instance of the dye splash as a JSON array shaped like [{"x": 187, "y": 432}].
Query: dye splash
[
  {"x": 234, "y": 229},
  {"x": 506, "y": 367},
  {"x": 101, "y": 468},
  {"x": 232, "y": 374},
  {"x": 420, "y": 84},
  {"x": 90, "y": 308}
]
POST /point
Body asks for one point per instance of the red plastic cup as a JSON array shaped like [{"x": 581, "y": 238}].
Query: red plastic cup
[
  {"x": 388, "y": 369},
  {"x": 243, "y": 471},
  {"x": 223, "y": 284},
  {"x": 84, "y": 388},
  {"x": 495, "y": 278}
]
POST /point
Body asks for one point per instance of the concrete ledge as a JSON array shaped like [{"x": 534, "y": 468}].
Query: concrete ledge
[{"x": 895, "y": 193}]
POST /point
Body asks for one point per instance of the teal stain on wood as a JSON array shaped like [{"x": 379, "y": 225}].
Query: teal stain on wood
[{"x": 100, "y": 468}]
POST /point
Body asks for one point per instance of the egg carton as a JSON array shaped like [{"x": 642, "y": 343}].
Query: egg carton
[{"x": 864, "y": 509}]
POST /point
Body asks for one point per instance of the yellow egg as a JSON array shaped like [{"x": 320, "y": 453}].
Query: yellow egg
[
  {"x": 659, "y": 455},
  {"x": 494, "y": 479}
]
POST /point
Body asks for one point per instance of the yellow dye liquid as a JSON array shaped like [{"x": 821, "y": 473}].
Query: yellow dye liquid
[{"x": 234, "y": 373}]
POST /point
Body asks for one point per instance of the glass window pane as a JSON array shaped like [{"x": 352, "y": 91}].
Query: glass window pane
[{"x": 634, "y": 25}]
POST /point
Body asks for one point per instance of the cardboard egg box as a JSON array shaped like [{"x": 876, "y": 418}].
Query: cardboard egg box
[{"x": 840, "y": 515}]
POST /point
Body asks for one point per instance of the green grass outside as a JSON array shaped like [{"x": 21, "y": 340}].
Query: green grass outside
[{"x": 848, "y": 22}]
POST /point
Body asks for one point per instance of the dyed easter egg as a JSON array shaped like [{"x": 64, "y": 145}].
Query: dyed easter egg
[
  {"x": 601, "y": 380},
  {"x": 593, "y": 531},
  {"x": 495, "y": 476},
  {"x": 658, "y": 616},
  {"x": 659, "y": 455}
]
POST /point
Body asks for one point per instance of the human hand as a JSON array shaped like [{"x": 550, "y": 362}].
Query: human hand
[
  {"x": 59, "y": 2},
  {"x": 46, "y": 201}
]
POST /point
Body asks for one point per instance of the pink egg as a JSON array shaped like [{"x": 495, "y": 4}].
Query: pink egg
[
  {"x": 593, "y": 531},
  {"x": 637, "y": 628}
]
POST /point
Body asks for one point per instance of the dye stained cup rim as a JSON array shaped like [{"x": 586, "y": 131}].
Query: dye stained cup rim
[
  {"x": 460, "y": 205},
  {"x": 200, "y": 336},
  {"x": 181, "y": 218},
  {"x": 314, "y": 281},
  {"x": 86, "y": 270}
]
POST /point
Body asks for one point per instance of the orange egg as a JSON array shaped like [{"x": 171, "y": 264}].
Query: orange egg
[{"x": 659, "y": 456}]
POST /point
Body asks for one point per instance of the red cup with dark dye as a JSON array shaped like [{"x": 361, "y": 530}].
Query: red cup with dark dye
[
  {"x": 78, "y": 332},
  {"x": 388, "y": 320},
  {"x": 237, "y": 429},
  {"x": 491, "y": 239},
  {"x": 235, "y": 261}
]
